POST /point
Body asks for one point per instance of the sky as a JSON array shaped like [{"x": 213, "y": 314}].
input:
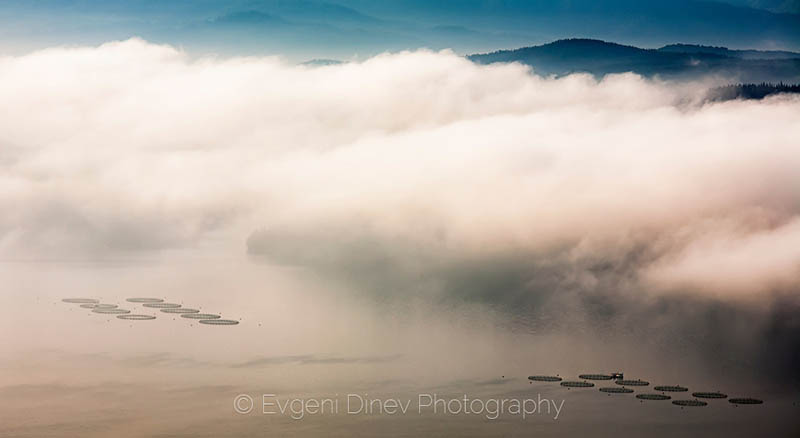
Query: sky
[
  {"x": 306, "y": 29},
  {"x": 406, "y": 222}
]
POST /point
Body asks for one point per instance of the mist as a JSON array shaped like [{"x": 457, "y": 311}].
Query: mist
[
  {"x": 418, "y": 210},
  {"x": 132, "y": 147}
]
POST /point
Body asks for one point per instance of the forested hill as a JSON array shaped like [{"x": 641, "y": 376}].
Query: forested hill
[
  {"x": 750, "y": 91},
  {"x": 724, "y": 51},
  {"x": 674, "y": 61}
]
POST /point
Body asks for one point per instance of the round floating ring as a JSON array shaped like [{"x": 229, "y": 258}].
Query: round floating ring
[
  {"x": 745, "y": 401},
  {"x": 179, "y": 310},
  {"x": 105, "y": 306},
  {"x": 709, "y": 395},
  {"x": 594, "y": 377},
  {"x": 671, "y": 388},
  {"x": 136, "y": 317},
  {"x": 693, "y": 403},
  {"x": 111, "y": 311},
  {"x": 574, "y": 384},
  {"x": 144, "y": 300},
  {"x": 653, "y": 397},
  {"x": 200, "y": 316},
  {"x": 632, "y": 382},
  {"x": 616, "y": 390},
  {"x": 544, "y": 378},
  {"x": 161, "y": 305},
  {"x": 80, "y": 300},
  {"x": 218, "y": 321}
]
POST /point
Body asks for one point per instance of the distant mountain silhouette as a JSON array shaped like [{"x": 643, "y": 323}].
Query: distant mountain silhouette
[
  {"x": 785, "y": 6},
  {"x": 638, "y": 22},
  {"x": 305, "y": 29},
  {"x": 343, "y": 28},
  {"x": 321, "y": 62},
  {"x": 675, "y": 61},
  {"x": 248, "y": 18},
  {"x": 724, "y": 51}
]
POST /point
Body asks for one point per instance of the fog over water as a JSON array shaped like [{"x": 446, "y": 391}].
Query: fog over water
[{"x": 410, "y": 223}]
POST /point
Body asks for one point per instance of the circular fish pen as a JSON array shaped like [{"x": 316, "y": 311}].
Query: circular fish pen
[
  {"x": 745, "y": 401},
  {"x": 576, "y": 384},
  {"x": 653, "y": 397},
  {"x": 200, "y": 316},
  {"x": 179, "y": 310},
  {"x": 111, "y": 311},
  {"x": 636, "y": 382},
  {"x": 161, "y": 305},
  {"x": 544, "y": 378},
  {"x": 99, "y": 306},
  {"x": 218, "y": 321},
  {"x": 144, "y": 300},
  {"x": 594, "y": 377},
  {"x": 690, "y": 403},
  {"x": 716, "y": 395},
  {"x": 81, "y": 300},
  {"x": 616, "y": 390},
  {"x": 671, "y": 388},
  {"x": 136, "y": 317}
]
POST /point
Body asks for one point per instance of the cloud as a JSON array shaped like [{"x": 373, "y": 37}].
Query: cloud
[
  {"x": 416, "y": 161},
  {"x": 415, "y": 158},
  {"x": 415, "y": 174},
  {"x": 735, "y": 261}
]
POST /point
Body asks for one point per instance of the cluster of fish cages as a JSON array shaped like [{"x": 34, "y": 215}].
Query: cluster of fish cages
[
  {"x": 623, "y": 386},
  {"x": 151, "y": 304}
]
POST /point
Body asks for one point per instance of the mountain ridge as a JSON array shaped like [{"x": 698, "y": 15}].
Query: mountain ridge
[
  {"x": 600, "y": 58},
  {"x": 740, "y": 53},
  {"x": 306, "y": 29}
]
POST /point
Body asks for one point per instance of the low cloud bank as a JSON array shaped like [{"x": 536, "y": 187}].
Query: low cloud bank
[
  {"x": 413, "y": 160},
  {"x": 414, "y": 173}
]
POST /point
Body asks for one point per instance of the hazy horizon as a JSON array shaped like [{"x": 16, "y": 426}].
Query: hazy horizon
[{"x": 354, "y": 29}]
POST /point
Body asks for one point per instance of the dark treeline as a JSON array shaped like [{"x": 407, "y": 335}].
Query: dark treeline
[{"x": 750, "y": 91}]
